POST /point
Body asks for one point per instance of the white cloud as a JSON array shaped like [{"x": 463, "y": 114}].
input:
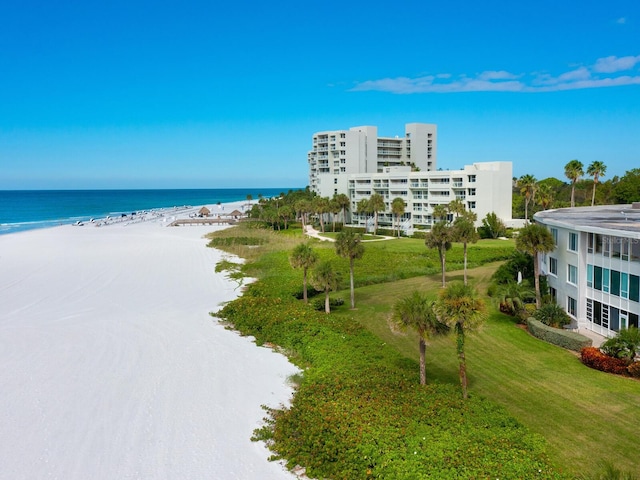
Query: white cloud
[
  {"x": 601, "y": 74},
  {"x": 615, "y": 64},
  {"x": 621, "y": 21}
]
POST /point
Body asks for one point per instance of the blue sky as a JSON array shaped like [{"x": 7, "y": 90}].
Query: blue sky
[{"x": 189, "y": 94}]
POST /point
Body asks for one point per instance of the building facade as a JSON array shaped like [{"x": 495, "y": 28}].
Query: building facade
[
  {"x": 594, "y": 271},
  {"x": 358, "y": 163}
]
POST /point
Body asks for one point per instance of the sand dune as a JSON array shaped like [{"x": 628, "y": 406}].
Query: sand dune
[{"x": 111, "y": 367}]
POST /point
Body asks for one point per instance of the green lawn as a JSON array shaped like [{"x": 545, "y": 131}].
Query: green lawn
[{"x": 586, "y": 416}]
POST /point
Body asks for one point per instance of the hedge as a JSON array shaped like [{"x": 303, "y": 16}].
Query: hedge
[
  {"x": 594, "y": 358},
  {"x": 569, "y": 340}
]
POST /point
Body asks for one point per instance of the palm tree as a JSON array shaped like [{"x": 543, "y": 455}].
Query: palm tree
[
  {"x": 303, "y": 256},
  {"x": 249, "y": 198},
  {"x": 334, "y": 208},
  {"x": 461, "y": 309},
  {"x": 397, "y": 208},
  {"x": 535, "y": 239},
  {"x": 325, "y": 277},
  {"x": 465, "y": 231},
  {"x": 596, "y": 169},
  {"x": 416, "y": 311},
  {"x": 511, "y": 297},
  {"x": 440, "y": 236},
  {"x": 343, "y": 201},
  {"x": 363, "y": 209},
  {"x": 440, "y": 212},
  {"x": 349, "y": 245},
  {"x": 321, "y": 206},
  {"x": 456, "y": 206},
  {"x": 376, "y": 204},
  {"x": 528, "y": 186},
  {"x": 573, "y": 171},
  {"x": 545, "y": 196}
]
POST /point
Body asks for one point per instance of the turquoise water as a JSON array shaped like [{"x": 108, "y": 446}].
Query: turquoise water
[{"x": 28, "y": 209}]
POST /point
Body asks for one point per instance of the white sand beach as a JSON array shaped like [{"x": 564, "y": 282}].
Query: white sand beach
[{"x": 111, "y": 367}]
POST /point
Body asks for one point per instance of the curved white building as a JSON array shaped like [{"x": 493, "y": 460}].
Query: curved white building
[{"x": 594, "y": 271}]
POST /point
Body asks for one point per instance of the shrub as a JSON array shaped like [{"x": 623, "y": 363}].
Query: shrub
[
  {"x": 634, "y": 369},
  {"x": 318, "y": 303},
  {"x": 553, "y": 315},
  {"x": 569, "y": 340},
  {"x": 594, "y": 358}
]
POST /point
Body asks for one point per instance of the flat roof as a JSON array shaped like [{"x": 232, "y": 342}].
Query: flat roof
[{"x": 607, "y": 219}]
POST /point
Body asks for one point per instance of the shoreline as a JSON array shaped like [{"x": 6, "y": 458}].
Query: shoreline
[{"x": 114, "y": 367}]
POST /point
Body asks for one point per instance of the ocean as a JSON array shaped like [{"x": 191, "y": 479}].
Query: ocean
[{"x": 29, "y": 209}]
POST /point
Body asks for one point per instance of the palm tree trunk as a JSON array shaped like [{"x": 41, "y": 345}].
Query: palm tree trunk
[
  {"x": 465, "y": 262},
  {"x": 462, "y": 360},
  {"x": 304, "y": 286},
  {"x": 353, "y": 297},
  {"x": 573, "y": 191},
  {"x": 423, "y": 362},
  {"x": 593, "y": 195},
  {"x": 536, "y": 280},
  {"x": 442, "y": 266},
  {"x": 327, "y": 305}
]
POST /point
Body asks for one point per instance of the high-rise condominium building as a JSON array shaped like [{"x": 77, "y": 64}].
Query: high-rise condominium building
[{"x": 338, "y": 153}]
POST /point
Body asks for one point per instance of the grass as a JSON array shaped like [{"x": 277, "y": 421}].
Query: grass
[{"x": 586, "y": 416}]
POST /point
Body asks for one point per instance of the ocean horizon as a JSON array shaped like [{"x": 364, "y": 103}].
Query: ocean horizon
[{"x": 22, "y": 210}]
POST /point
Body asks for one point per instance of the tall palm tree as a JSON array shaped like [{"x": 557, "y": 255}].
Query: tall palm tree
[
  {"x": 397, "y": 208},
  {"x": 416, "y": 311},
  {"x": 440, "y": 236},
  {"x": 363, "y": 209},
  {"x": 465, "y": 231},
  {"x": 334, "y": 208},
  {"x": 325, "y": 277},
  {"x": 596, "y": 169},
  {"x": 249, "y": 198},
  {"x": 456, "y": 206},
  {"x": 376, "y": 204},
  {"x": 544, "y": 196},
  {"x": 535, "y": 239},
  {"x": 462, "y": 310},
  {"x": 344, "y": 202},
  {"x": 321, "y": 206},
  {"x": 528, "y": 185},
  {"x": 440, "y": 212},
  {"x": 349, "y": 245},
  {"x": 303, "y": 256},
  {"x": 573, "y": 171}
]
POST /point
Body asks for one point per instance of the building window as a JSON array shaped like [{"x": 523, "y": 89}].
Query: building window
[
  {"x": 342, "y": 135},
  {"x": 605, "y": 280},
  {"x": 590, "y": 276},
  {"x": 553, "y": 266},
  {"x": 335, "y": 181},
  {"x": 554, "y": 294},
  {"x": 471, "y": 178},
  {"x": 573, "y": 242},
  {"x": 572, "y": 274},
  {"x": 554, "y": 234},
  {"x": 471, "y": 191},
  {"x": 471, "y": 205},
  {"x": 590, "y": 242},
  {"x": 343, "y": 144},
  {"x": 571, "y": 306},
  {"x": 624, "y": 285}
]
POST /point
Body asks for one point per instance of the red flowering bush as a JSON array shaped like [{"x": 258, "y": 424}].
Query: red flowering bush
[
  {"x": 594, "y": 358},
  {"x": 634, "y": 369}
]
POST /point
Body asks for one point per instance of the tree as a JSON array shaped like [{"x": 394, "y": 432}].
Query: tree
[
  {"x": 527, "y": 184},
  {"x": 511, "y": 297},
  {"x": 416, "y": 312},
  {"x": 627, "y": 189},
  {"x": 343, "y": 201},
  {"x": 376, "y": 204},
  {"x": 397, "y": 208},
  {"x": 464, "y": 230},
  {"x": 349, "y": 245},
  {"x": 440, "y": 212},
  {"x": 596, "y": 169},
  {"x": 321, "y": 206},
  {"x": 545, "y": 196},
  {"x": 573, "y": 171},
  {"x": 624, "y": 345},
  {"x": 325, "y": 278},
  {"x": 535, "y": 239},
  {"x": 303, "y": 256},
  {"x": 460, "y": 308},
  {"x": 456, "y": 206},
  {"x": 249, "y": 198},
  {"x": 334, "y": 208},
  {"x": 440, "y": 237},
  {"x": 363, "y": 209},
  {"x": 492, "y": 226}
]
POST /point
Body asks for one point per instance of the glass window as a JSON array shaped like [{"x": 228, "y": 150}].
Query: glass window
[
  {"x": 590, "y": 242},
  {"x": 554, "y": 234},
  {"x": 634, "y": 288},
  {"x": 554, "y": 293},
  {"x": 605, "y": 280},
  {"x": 624, "y": 249},
  {"x": 615, "y": 282},
  {"x": 571, "y": 306},
  {"x": 573, "y": 242},
  {"x": 624, "y": 285},
  {"x": 553, "y": 266},
  {"x": 590, "y": 276},
  {"x": 597, "y": 278},
  {"x": 572, "y": 274}
]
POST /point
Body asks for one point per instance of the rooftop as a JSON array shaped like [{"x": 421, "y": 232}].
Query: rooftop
[{"x": 606, "y": 219}]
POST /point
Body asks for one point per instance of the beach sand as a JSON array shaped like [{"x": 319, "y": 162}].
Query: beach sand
[{"x": 112, "y": 367}]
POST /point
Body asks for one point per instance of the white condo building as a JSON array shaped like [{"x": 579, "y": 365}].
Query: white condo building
[
  {"x": 594, "y": 271},
  {"x": 358, "y": 163}
]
